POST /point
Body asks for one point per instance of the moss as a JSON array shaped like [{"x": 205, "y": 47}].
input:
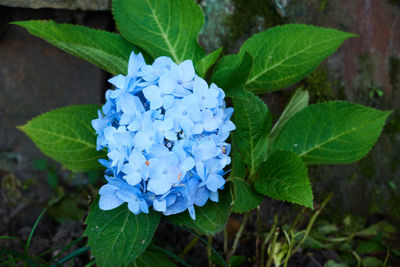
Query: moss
[
  {"x": 251, "y": 14},
  {"x": 318, "y": 86},
  {"x": 394, "y": 71},
  {"x": 394, "y": 2}
]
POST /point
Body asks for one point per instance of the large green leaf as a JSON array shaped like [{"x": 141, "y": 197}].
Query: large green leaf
[
  {"x": 152, "y": 258},
  {"x": 66, "y": 135},
  {"x": 238, "y": 167},
  {"x": 253, "y": 124},
  {"x": 284, "y": 176},
  {"x": 205, "y": 63},
  {"x": 211, "y": 218},
  {"x": 298, "y": 102},
  {"x": 245, "y": 198},
  {"x": 117, "y": 237},
  {"x": 286, "y": 54},
  {"x": 106, "y": 50},
  {"x": 161, "y": 27},
  {"x": 231, "y": 74},
  {"x": 333, "y": 132}
]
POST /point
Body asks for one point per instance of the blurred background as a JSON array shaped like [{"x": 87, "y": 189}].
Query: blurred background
[{"x": 36, "y": 77}]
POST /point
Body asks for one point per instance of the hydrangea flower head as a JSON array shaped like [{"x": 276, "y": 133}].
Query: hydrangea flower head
[{"x": 165, "y": 131}]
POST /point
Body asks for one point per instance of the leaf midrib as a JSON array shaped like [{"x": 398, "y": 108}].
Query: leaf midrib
[
  {"x": 353, "y": 129},
  {"x": 163, "y": 33},
  {"x": 62, "y": 136},
  {"x": 288, "y": 58}
]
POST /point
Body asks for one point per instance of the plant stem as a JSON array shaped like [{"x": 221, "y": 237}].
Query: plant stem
[
  {"x": 297, "y": 219},
  {"x": 33, "y": 230},
  {"x": 291, "y": 242},
  {"x": 189, "y": 247},
  {"x": 358, "y": 259},
  {"x": 238, "y": 235},
  {"x": 266, "y": 240},
  {"x": 208, "y": 250},
  {"x": 258, "y": 231},
  {"x": 272, "y": 248},
  {"x": 311, "y": 223},
  {"x": 386, "y": 258},
  {"x": 225, "y": 241}
]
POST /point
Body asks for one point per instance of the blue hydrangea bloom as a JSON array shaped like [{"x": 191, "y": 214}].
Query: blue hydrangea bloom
[{"x": 165, "y": 131}]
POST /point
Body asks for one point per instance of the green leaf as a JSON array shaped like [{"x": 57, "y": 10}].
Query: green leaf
[
  {"x": 245, "y": 197},
  {"x": 151, "y": 258},
  {"x": 52, "y": 179},
  {"x": 253, "y": 123},
  {"x": 161, "y": 27},
  {"x": 284, "y": 176},
  {"x": 238, "y": 166},
  {"x": 370, "y": 246},
  {"x": 40, "y": 164},
  {"x": 332, "y": 263},
  {"x": 118, "y": 236},
  {"x": 284, "y": 55},
  {"x": 106, "y": 50},
  {"x": 211, "y": 218},
  {"x": 333, "y": 132},
  {"x": 372, "y": 262},
  {"x": 66, "y": 135},
  {"x": 205, "y": 63},
  {"x": 298, "y": 102},
  {"x": 231, "y": 74},
  {"x": 237, "y": 260}
]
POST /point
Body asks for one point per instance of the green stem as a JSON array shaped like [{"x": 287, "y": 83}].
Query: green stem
[
  {"x": 238, "y": 235},
  {"x": 189, "y": 247},
  {"x": 258, "y": 231},
  {"x": 66, "y": 248},
  {"x": 311, "y": 223},
  {"x": 32, "y": 231},
  {"x": 386, "y": 258},
  {"x": 225, "y": 240},
  {"x": 358, "y": 259},
  {"x": 208, "y": 250},
  {"x": 291, "y": 242},
  {"x": 297, "y": 219},
  {"x": 266, "y": 240},
  {"x": 272, "y": 248}
]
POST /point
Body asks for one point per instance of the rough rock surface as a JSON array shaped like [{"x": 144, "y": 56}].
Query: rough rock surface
[{"x": 64, "y": 4}]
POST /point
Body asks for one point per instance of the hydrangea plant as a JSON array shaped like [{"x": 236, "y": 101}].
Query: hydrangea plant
[{"x": 164, "y": 135}]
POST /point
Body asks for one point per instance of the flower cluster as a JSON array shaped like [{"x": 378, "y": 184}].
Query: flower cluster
[{"x": 165, "y": 131}]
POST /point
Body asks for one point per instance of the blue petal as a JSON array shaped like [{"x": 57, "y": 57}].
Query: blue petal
[
  {"x": 134, "y": 207},
  {"x": 187, "y": 164},
  {"x": 187, "y": 70},
  {"x": 130, "y": 104},
  {"x": 152, "y": 93},
  {"x": 109, "y": 201},
  {"x": 143, "y": 206},
  {"x": 214, "y": 196},
  {"x": 214, "y": 182},
  {"x": 118, "y": 81},
  {"x": 158, "y": 186},
  {"x": 167, "y": 83},
  {"x": 168, "y": 101},
  {"x": 135, "y": 63},
  {"x": 160, "y": 205},
  {"x": 201, "y": 197}
]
